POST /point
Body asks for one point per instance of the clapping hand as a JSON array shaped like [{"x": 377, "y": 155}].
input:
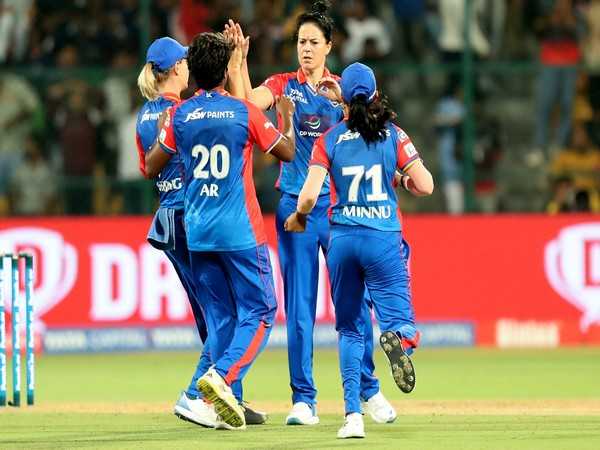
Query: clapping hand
[{"x": 328, "y": 87}]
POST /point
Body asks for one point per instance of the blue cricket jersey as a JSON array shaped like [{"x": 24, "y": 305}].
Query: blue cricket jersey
[
  {"x": 170, "y": 180},
  {"x": 213, "y": 133},
  {"x": 362, "y": 175},
  {"x": 314, "y": 115}
]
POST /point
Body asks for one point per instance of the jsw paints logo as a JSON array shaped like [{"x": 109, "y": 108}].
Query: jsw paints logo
[
  {"x": 149, "y": 116},
  {"x": 55, "y": 263},
  {"x": 572, "y": 264},
  {"x": 199, "y": 114}
]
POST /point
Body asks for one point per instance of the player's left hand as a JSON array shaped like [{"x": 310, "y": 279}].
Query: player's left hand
[
  {"x": 245, "y": 40},
  {"x": 295, "y": 223}
]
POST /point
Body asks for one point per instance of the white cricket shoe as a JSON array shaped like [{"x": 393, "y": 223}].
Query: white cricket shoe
[
  {"x": 196, "y": 411},
  {"x": 353, "y": 427},
  {"x": 380, "y": 410},
  {"x": 302, "y": 414},
  {"x": 215, "y": 389}
]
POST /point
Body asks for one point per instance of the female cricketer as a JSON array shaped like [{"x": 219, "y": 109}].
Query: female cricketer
[
  {"x": 162, "y": 79},
  {"x": 299, "y": 254},
  {"x": 362, "y": 155},
  {"x": 213, "y": 133}
]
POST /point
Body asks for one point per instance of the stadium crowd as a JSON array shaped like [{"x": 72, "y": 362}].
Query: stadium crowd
[{"x": 67, "y": 87}]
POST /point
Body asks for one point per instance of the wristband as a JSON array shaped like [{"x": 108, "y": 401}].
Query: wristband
[{"x": 404, "y": 182}]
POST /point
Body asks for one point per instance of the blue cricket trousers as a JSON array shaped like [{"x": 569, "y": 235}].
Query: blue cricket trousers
[
  {"x": 299, "y": 261},
  {"x": 180, "y": 258},
  {"x": 239, "y": 301},
  {"x": 360, "y": 256}
]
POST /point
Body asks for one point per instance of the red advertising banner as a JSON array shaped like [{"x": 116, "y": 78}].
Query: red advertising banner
[{"x": 526, "y": 280}]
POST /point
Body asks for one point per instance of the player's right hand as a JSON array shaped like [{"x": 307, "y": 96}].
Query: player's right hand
[
  {"x": 285, "y": 106},
  {"x": 328, "y": 87},
  {"x": 295, "y": 223}
]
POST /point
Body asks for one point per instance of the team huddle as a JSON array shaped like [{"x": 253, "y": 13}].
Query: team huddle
[{"x": 341, "y": 159}]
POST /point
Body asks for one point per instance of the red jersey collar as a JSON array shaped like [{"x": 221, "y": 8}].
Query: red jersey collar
[
  {"x": 301, "y": 76},
  {"x": 170, "y": 96}
]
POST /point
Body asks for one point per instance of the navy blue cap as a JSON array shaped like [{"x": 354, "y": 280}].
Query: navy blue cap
[
  {"x": 163, "y": 53},
  {"x": 358, "y": 79}
]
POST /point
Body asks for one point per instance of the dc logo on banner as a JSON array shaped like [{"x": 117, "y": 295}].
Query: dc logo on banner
[
  {"x": 55, "y": 263},
  {"x": 572, "y": 263}
]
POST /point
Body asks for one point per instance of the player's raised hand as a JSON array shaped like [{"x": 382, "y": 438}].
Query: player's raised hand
[
  {"x": 231, "y": 33},
  {"x": 244, "y": 39},
  {"x": 285, "y": 106},
  {"x": 328, "y": 87},
  {"x": 295, "y": 223}
]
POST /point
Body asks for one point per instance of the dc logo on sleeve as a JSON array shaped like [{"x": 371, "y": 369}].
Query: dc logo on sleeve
[{"x": 410, "y": 150}]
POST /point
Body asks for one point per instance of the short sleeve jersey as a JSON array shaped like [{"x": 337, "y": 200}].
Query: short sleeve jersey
[
  {"x": 362, "y": 175},
  {"x": 314, "y": 115},
  {"x": 170, "y": 180},
  {"x": 214, "y": 134}
]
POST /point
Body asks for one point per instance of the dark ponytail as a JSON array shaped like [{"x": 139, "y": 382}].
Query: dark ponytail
[
  {"x": 319, "y": 15},
  {"x": 370, "y": 119}
]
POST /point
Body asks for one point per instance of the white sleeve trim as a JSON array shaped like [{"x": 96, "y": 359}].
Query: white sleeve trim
[{"x": 274, "y": 143}]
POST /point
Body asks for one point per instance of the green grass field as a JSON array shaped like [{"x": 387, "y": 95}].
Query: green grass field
[{"x": 464, "y": 399}]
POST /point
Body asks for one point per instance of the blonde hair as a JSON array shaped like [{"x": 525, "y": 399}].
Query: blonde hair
[{"x": 148, "y": 81}]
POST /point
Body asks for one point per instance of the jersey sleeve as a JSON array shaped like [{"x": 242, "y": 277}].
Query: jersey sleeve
[
  {"x": 166, "y": 135},
  {"x": 406, "y": 151},
  {"x": 261, "y": 130},
  {"x": 319, "y": 154},
  {"x": 276, "y": 84},
  {"x": 141, "y": 153}
]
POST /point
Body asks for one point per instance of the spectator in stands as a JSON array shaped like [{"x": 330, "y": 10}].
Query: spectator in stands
[
  {"x": 365, "y": 33},
  {"x": 449, "y": 116},
  {"x": 19, "y": 105},
  {"x": 562, "y": 200},
  {"x": 559, "y": 56},
  {"x": 15, "y": 20},
  {"x": 488, "y": 152},
  {"x": 117, "y": 86},
  {"x": 451, "y": 38},
  {"x": 519, "y": 42},
  {"x": 410, "y": 17},
  {"x": 581, "y": 163},
  {"x": 76, "y": 120},
  {"x": 582, "y": 108},
  {"x": 591, "y": 57},
  {"x": 33, "y": 186}
]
